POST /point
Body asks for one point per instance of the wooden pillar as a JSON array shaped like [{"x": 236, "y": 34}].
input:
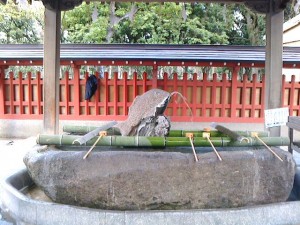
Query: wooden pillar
[
  {"x": 234, "y": 91},
  {"x": 273, "y": 67},
  {"x": 154, "y": 76},
  {"x": 51, "y": 71},
  {"x": 2, "y": 90},
  {"x": 76, "y": 69}
]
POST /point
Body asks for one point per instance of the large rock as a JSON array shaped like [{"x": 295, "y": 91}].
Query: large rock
[
  {"x": 127, "y": 180},
  {"x": 146, "y": 107}
]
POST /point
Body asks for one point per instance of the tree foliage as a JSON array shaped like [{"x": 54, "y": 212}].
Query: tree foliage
[
  {"x": 20, "y": 24},
  {"x": 78, "y": 26},
  {"x": 292, "y": 10},
  {"x": 168, "y": 23},
  {"x": 145, "y": 23},
  {"x": 249, "y": 27}
]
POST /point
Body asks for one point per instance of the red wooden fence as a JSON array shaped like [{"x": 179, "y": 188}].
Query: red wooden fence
[
  {"x": 291, "y": 96},
  {"x": 226, "y": 100}
]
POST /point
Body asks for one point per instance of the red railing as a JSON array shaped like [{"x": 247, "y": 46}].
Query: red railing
[
  {"x": 21, "y": 98},
  {"x": 291, "y": 95},
  {"x": 207, "y": 100},
  {"x": 214, "y": 98}
]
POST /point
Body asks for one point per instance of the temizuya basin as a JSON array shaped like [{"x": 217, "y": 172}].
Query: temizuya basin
[{"x": 247, "y": 205}]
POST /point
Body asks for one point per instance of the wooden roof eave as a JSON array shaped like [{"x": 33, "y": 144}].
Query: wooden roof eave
[{"x": 261, "y": 6}]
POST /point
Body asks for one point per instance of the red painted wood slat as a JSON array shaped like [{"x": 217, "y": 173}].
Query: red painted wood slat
[
  {"x": 116, "y": 106},
  {"x": 76, "y": 71},
  {"x": 39, "y": 93},
  {"x": 29, "y": 88},
  {"x": 12, "y": 93},
  {"x": 125, "y": 93},
  {"x": 203, "y": 100},
  {"x": 2, "y": 90}
]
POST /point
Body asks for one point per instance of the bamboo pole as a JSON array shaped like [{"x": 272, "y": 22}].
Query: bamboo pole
[
  {"x": 173, "y": 133},
  {"x": 139, "y": 141},
  {"x": 234, "y": 135},
  {"x": 83, "y": 139}
]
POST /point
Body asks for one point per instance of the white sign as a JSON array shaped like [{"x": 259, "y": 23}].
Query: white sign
[{"x": 276, "y": 117}]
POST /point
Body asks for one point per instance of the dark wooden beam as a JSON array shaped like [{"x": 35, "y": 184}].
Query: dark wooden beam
[
  {"x": 258, "y": 6},
  {"x": 51, "y": 71},
  {"x": 61, "y": 5},
  {"x": 274, "y": 49},
  {"x": 261, "y": 6}
]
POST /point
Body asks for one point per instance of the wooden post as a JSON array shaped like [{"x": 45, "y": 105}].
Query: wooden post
[
  {"x": 39, "y": 93},
  {"x": 125, "y": 94},
  {"x": 97, "y": 94},
  {"x": 11, "y": 93},
  {"x": 223, "y": 95},
  {"x": 21, "y": 93},
  {"x": 145, "y": 77},
  {"x": 51, "y": 71},
  {"x": 175, "y": 88},
  {"x": 203, "y": 100},
  {"x": 262, "y": 96},
  {"x": 76, "y": 69},
  {"x": 86, "y": 102},
  {"x": 234, "y": 81},
  {"x": 2, "y": 90},
  {"x": 185, "y": 85},
  {"x": 154, "y": 76},
  {"x": 116, "y": 94},
  {"x": 291, "y": 95},
  {"x": 29, "y": 89},
  {"x": 66, "y": 95},
  {"x": 213, "y": 97},
  {"x": 106, "y": 95},
  {"x": 273, "y": 67},
  {"x": 253, "y": 96},
  {"x": 135, "y": 86},
  {"x": 195, "y": 97}
]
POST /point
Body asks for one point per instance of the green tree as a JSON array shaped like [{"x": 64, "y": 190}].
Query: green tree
[
  {"x": 249, "y": 27},
  {"x": 79, "y": 27},
  {"x": 291, "y": 10},
  {"x": 168, "y": 23},
  {"x": 213, "y": 22},
  {"x": 173, "y": 23},
  {"x": 152, "y": 23},
  {"x": 20, "y": 24},
  {"x": 147, "y": 23}
]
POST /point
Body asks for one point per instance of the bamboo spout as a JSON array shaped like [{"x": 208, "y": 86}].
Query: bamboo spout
[{"x": 93, "y": 133}]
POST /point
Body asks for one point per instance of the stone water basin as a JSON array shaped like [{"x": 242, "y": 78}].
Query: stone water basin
[{"x": 33, "y": 211}]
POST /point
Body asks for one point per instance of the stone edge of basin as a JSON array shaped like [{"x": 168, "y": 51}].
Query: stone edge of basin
[{"x": 34, "y": 212}]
